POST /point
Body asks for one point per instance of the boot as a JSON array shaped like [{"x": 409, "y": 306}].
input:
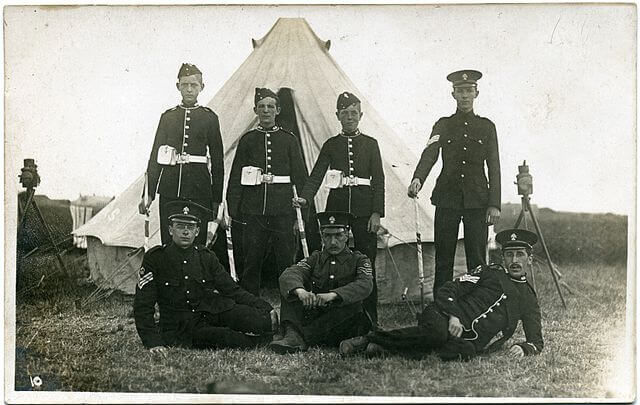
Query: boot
[
  {"x": 350, "y": 347},
  {"x": 291, "y": 343},
  {"x": 375, "y": 350}
]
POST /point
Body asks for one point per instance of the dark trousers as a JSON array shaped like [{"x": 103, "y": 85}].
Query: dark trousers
[
  {"x": 201, "y": 239},
  {"x": 431, "y": 334},
  {"x": 258, "y": 230},
  {"x": 367, "y": 244},
  {"x": 228, "y": 329},
  {"x": 446, "y": 225},
  {"x": 325, "y": 326}
]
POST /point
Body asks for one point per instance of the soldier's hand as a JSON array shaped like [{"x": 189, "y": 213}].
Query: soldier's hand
[
  {"x": 374, "y": 223},
  {"x": 325, "y": 298},
  {"x": 493, "y": 215},
  {"x": 298, "y": 202},
  {"x": 275, "y": 321},
  {"x": 159, "y": 350},
  {"x": 455, "y": 326},
  {"x": 144, "y": 208},
  {"x": 516, "y": 351},
  {"x": 309, "y": 299},
  {"x": 414, "y": 188}
]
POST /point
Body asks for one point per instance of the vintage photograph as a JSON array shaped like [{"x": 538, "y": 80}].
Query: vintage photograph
[{"x": 320, "y": 203}]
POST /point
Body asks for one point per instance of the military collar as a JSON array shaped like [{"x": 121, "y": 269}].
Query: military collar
[
  {"x": 351, "y": 135},
  {"x": 183, "y": 252},
  {"x": 184, "y": 107},
  {"x": 341, "y": 257},
  {"x": 463, "y": 114},
  {"x": 522, "y": 279},
  {"x": 272, "y": 129}
]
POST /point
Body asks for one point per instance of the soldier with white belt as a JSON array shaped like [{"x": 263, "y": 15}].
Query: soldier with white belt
[
  {"x": 186, "y": 161},
  {"x": 268, "y": 161},
  {"x": 355, "y": 177}
]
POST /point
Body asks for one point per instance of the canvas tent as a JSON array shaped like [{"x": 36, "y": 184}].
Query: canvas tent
[{"x": 291, "y": 59}]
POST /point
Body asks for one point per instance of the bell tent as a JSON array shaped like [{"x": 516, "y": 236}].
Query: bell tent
[{"x": 293, "y": 61}]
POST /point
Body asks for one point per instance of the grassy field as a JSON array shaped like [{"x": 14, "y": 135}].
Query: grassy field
[{"x": 97, "y": 349}]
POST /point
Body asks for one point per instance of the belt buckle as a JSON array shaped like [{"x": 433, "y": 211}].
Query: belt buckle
[
  {"x": 183, "y": 158},
  {"x": 267, "y": 178},
  {"x": 352, "y": 181}
]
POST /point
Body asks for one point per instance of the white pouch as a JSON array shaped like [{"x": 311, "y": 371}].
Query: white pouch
[
  {"x": 251, "y": 176},
  {"x": 167, "y": 155},
  {"x": 333, "y": 179}
]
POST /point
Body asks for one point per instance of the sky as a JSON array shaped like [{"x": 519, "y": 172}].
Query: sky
[{"x": 85, "y": 86}]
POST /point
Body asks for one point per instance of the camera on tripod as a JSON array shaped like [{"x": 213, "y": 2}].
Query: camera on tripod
[
  {"x": 524, "y": 180},
  {"x": 29, "y": 177}
]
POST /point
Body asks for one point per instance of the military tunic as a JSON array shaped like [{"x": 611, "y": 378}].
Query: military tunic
[
  {"x": 489, "y": 305},
  {"x": 348, "y": 274},
  {"x": 355, "y": 155},
  {"x": 462, "y": 190},
  {"x": 200, "y": 304},
  {"x": 193, "y": 131},
  {"x": 265, "y": 209}
]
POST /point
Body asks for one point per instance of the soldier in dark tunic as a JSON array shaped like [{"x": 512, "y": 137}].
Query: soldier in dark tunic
[
  {"x": 356, "y": 182},
  {"x": 472, "y": 315},
  {"x": 462, "y": 191},
  {"x": 200, "y": 304},
  {"x": 267, "y": 162},
  {"x": 186, "y": 161},
  {"x": 321, "y": 296}
]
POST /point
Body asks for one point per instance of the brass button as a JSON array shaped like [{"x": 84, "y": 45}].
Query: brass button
[
  {"x": 186, "y": 277},
  {"x": 462, "y": 175}
]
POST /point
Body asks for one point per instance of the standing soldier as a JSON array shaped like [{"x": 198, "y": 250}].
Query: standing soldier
[
  {"x": 462, "y": 191},
  {"x": 356, "y": 180},
  {"x": 268, "y": 161},
  {"x": 186, "y": 161}
]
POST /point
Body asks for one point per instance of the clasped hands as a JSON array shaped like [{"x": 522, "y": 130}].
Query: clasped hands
[{"x": 310, "y": 300}]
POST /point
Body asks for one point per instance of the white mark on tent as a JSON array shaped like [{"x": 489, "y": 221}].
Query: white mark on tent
[{"x": 112, "y": 215}]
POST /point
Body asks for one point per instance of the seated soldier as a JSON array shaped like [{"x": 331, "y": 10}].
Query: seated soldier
[
  {"x": 321, "y": 296},
  {"x": 200, "y": 304},
  {"x": 474, "y": 314}
]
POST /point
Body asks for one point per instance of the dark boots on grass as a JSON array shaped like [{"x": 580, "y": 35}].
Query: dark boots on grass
[
  {"x": 291, "y": 342},
  {"x": 360, "y": 344}
]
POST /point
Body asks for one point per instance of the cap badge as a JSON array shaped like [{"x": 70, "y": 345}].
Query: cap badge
[
  {"x": 185, "y": 210},
  {"x": 346, "y": 95},
  {"x": 465, "y": 76},
  {"x": 514, "y": 236},
  {"x": 332, "y": 220}
]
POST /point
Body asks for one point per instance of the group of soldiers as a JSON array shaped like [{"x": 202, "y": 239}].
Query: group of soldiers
[{"x": 330, "y": 297}]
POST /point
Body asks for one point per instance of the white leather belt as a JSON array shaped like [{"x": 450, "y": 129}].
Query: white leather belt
[
  {"x": 186, "y": 158},
  {"x": 271, "y": 179},
  {"x": 355, "y": 181}
]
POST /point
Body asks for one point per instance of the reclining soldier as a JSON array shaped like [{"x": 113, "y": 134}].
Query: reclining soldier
[
  {"x": 322, "y": 295},
  {"x": 200, "y": 304},
  {"x": 472, "y": 315}
]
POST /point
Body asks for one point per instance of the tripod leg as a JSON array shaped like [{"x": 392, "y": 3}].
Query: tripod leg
[
  {"x": 30, "y": 193},
  {"x": 53, "y": 242},
  {"x": 546, "y": 253},
  {"x": 520, "y": 218}
]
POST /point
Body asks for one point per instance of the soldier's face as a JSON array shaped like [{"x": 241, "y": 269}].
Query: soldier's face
[
  {"x": 183, "y": 234},
  {"x": 335, "y": 243},
  {"x": 516, "y": 261},
  {"x": 464, "y": 97},
  {"x": 190, "y": 87},
  {"x": 266, "y": 110},
  {"x": 350, "y": 117}
]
